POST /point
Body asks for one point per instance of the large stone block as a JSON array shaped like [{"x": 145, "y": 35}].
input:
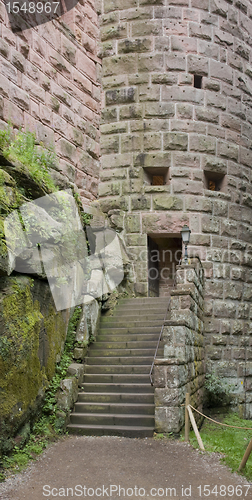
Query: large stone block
[
  {"x": 184, "y": 44},
  {"x": 120, "y": 96},
  {"x": 117, "y": 65},
  {"x": 200, "y": 31},
  {"x": 175, "y": 62},
  {"x": 206, "y": 114},
  {"x": 225, "y": 309},
  {"x": 152, "y": 160},
  {"x": 113, "y": 203},
  {"x": 161, "y": 110},
  {"x": 165, "y": 202},
  {"x": 66, "y": 149},
  {"x": 167, "y": 397},
  {"x": 219, "y": 7},
  {"x": 210, "y": 224},
  {"x": 187, "y": 186},
  {"x": 114, "y": 31},
  {"x": 134, "y": 45},
  {"x": 140, "y": 202},
  {"x": 168, "y": 419},
  {"x": 202, "y": 143},
  {"x": 109, "y": 144},
  {"x": 133, "y": 111},
  {"x": 221, "y": 71},
  {"x": 150, "y": 63},
  {"x": 109, "y": 188},
  {"x": 197, "y": 65},
  {"x": 198, "y": 204},
  {"x": 175, "y": 93},
  {"x": 152, "y": 223},
  {"x": 213, "y": 164},
  {"x": 143, "y": 28},
  {"x": 152, "y": 141},
  {"x": 174, "y": 140}
]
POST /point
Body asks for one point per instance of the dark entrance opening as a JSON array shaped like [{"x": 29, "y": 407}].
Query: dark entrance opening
[{"x": 164, "y": 253}]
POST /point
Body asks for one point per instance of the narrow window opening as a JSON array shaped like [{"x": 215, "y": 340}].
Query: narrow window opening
[
  {"x": 197, "y": 81},
  {"x": 156, "y": 176},
  {"x": 157, "y": 180},
  {"x": 214, "y": 181}
]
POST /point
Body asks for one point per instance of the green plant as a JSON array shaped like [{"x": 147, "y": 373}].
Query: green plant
[
  {"x": 50, "y": 407},
  {"x": 230, "y": 442},
  {"x": 37, "y": 159},
  {"x": 86, "y": 218},
  {"x": 218, "y": 391}
]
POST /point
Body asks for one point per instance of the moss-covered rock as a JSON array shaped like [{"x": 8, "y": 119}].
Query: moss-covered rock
[{"x": 32, "y": 335}]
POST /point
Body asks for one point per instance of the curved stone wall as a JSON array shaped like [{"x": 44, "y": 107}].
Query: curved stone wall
[{"x": 177, "y": 81}]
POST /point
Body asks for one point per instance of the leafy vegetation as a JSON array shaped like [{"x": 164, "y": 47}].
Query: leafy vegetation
[
  {"x": 218, "y": 391},
  {"x": 231, "y": 442},
  {"x": 36, "y": 158},
  {"x": 43, "y": 433},
  {"x": 50, "y": 407}
]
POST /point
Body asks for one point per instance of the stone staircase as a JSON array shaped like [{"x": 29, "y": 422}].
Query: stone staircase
[{"x": 117, "y": 397}]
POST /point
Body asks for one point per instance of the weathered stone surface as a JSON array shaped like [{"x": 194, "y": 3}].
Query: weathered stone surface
[
  {"x": 36, "y": 345},
  {"x": 174, "y": 140},
  {"x": 165, "y": 202}
]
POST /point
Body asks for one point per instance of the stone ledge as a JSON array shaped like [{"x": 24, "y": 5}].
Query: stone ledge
[{"x": 168, "y": 361}]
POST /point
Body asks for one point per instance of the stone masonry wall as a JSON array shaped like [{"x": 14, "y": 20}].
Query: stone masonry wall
[
  {"x": 155, "y": 119},
  {"x": 50, "y": 85},
  {"x": 182, "y": 368}
]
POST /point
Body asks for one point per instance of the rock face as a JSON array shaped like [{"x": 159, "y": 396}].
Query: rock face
[
  {"x": 177, "y": 81},
  {"x": 50, "y": 86},
  {"x": 32, "y": 339}
]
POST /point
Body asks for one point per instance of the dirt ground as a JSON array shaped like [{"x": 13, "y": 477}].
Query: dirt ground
[{"x": 112, "y": 467}]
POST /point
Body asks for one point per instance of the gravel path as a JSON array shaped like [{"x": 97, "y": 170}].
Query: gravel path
[{"x": 112, "y": 467}]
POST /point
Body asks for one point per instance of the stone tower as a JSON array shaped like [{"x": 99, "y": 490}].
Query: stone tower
[{"x": 176, "y": 145}]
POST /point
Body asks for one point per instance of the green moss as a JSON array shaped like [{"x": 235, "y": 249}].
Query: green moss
[
  {"x": 20, "y": 371},
  {"x": 19, "y": 312},
  {"x": 35, "y": 161},
  {"x": 54, "y": 322}
]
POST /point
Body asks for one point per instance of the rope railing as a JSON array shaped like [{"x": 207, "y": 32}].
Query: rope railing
[
  {"x": 221, "y": 423},
  {"x": 189, "y": 417}
]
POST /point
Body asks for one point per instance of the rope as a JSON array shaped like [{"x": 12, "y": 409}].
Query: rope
[{"x": 220, "y": 423}]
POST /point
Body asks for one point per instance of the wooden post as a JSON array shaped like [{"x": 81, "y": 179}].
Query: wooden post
[
  {"x": 246, "y": 456},
  {"x": 187, "y": 420},
  {"x": 195, "y": 428}
]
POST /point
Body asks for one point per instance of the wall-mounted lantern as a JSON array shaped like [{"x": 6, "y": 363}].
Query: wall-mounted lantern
[{"x": 185, "y": 233}]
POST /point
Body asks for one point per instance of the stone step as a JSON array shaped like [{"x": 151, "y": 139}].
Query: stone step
[
  {"x": 118, "y": 323},
  {"x": 125, "y": 337},
  {"x": 111, "y": 419},
  {"x": 114, "y": 408},
  {"x": 137, "y": 311},
  {"x": 117, "y": 397},
  {"x": 115, "y": 378},
  {"x": 130, "y": 344},
  {"x": 104, "y": 330},
  {"x": 97, "y": 352},
  {"x": 111, "y": 430},
  {"x": 114, "y": 397},
  {"x": 143, "y": 300},
  {"x": 117, "y": 369},
  {"x": 120, "y": 360},
  {"x": 123, "y": 387},
  {"x": 132, "y": 318}
]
